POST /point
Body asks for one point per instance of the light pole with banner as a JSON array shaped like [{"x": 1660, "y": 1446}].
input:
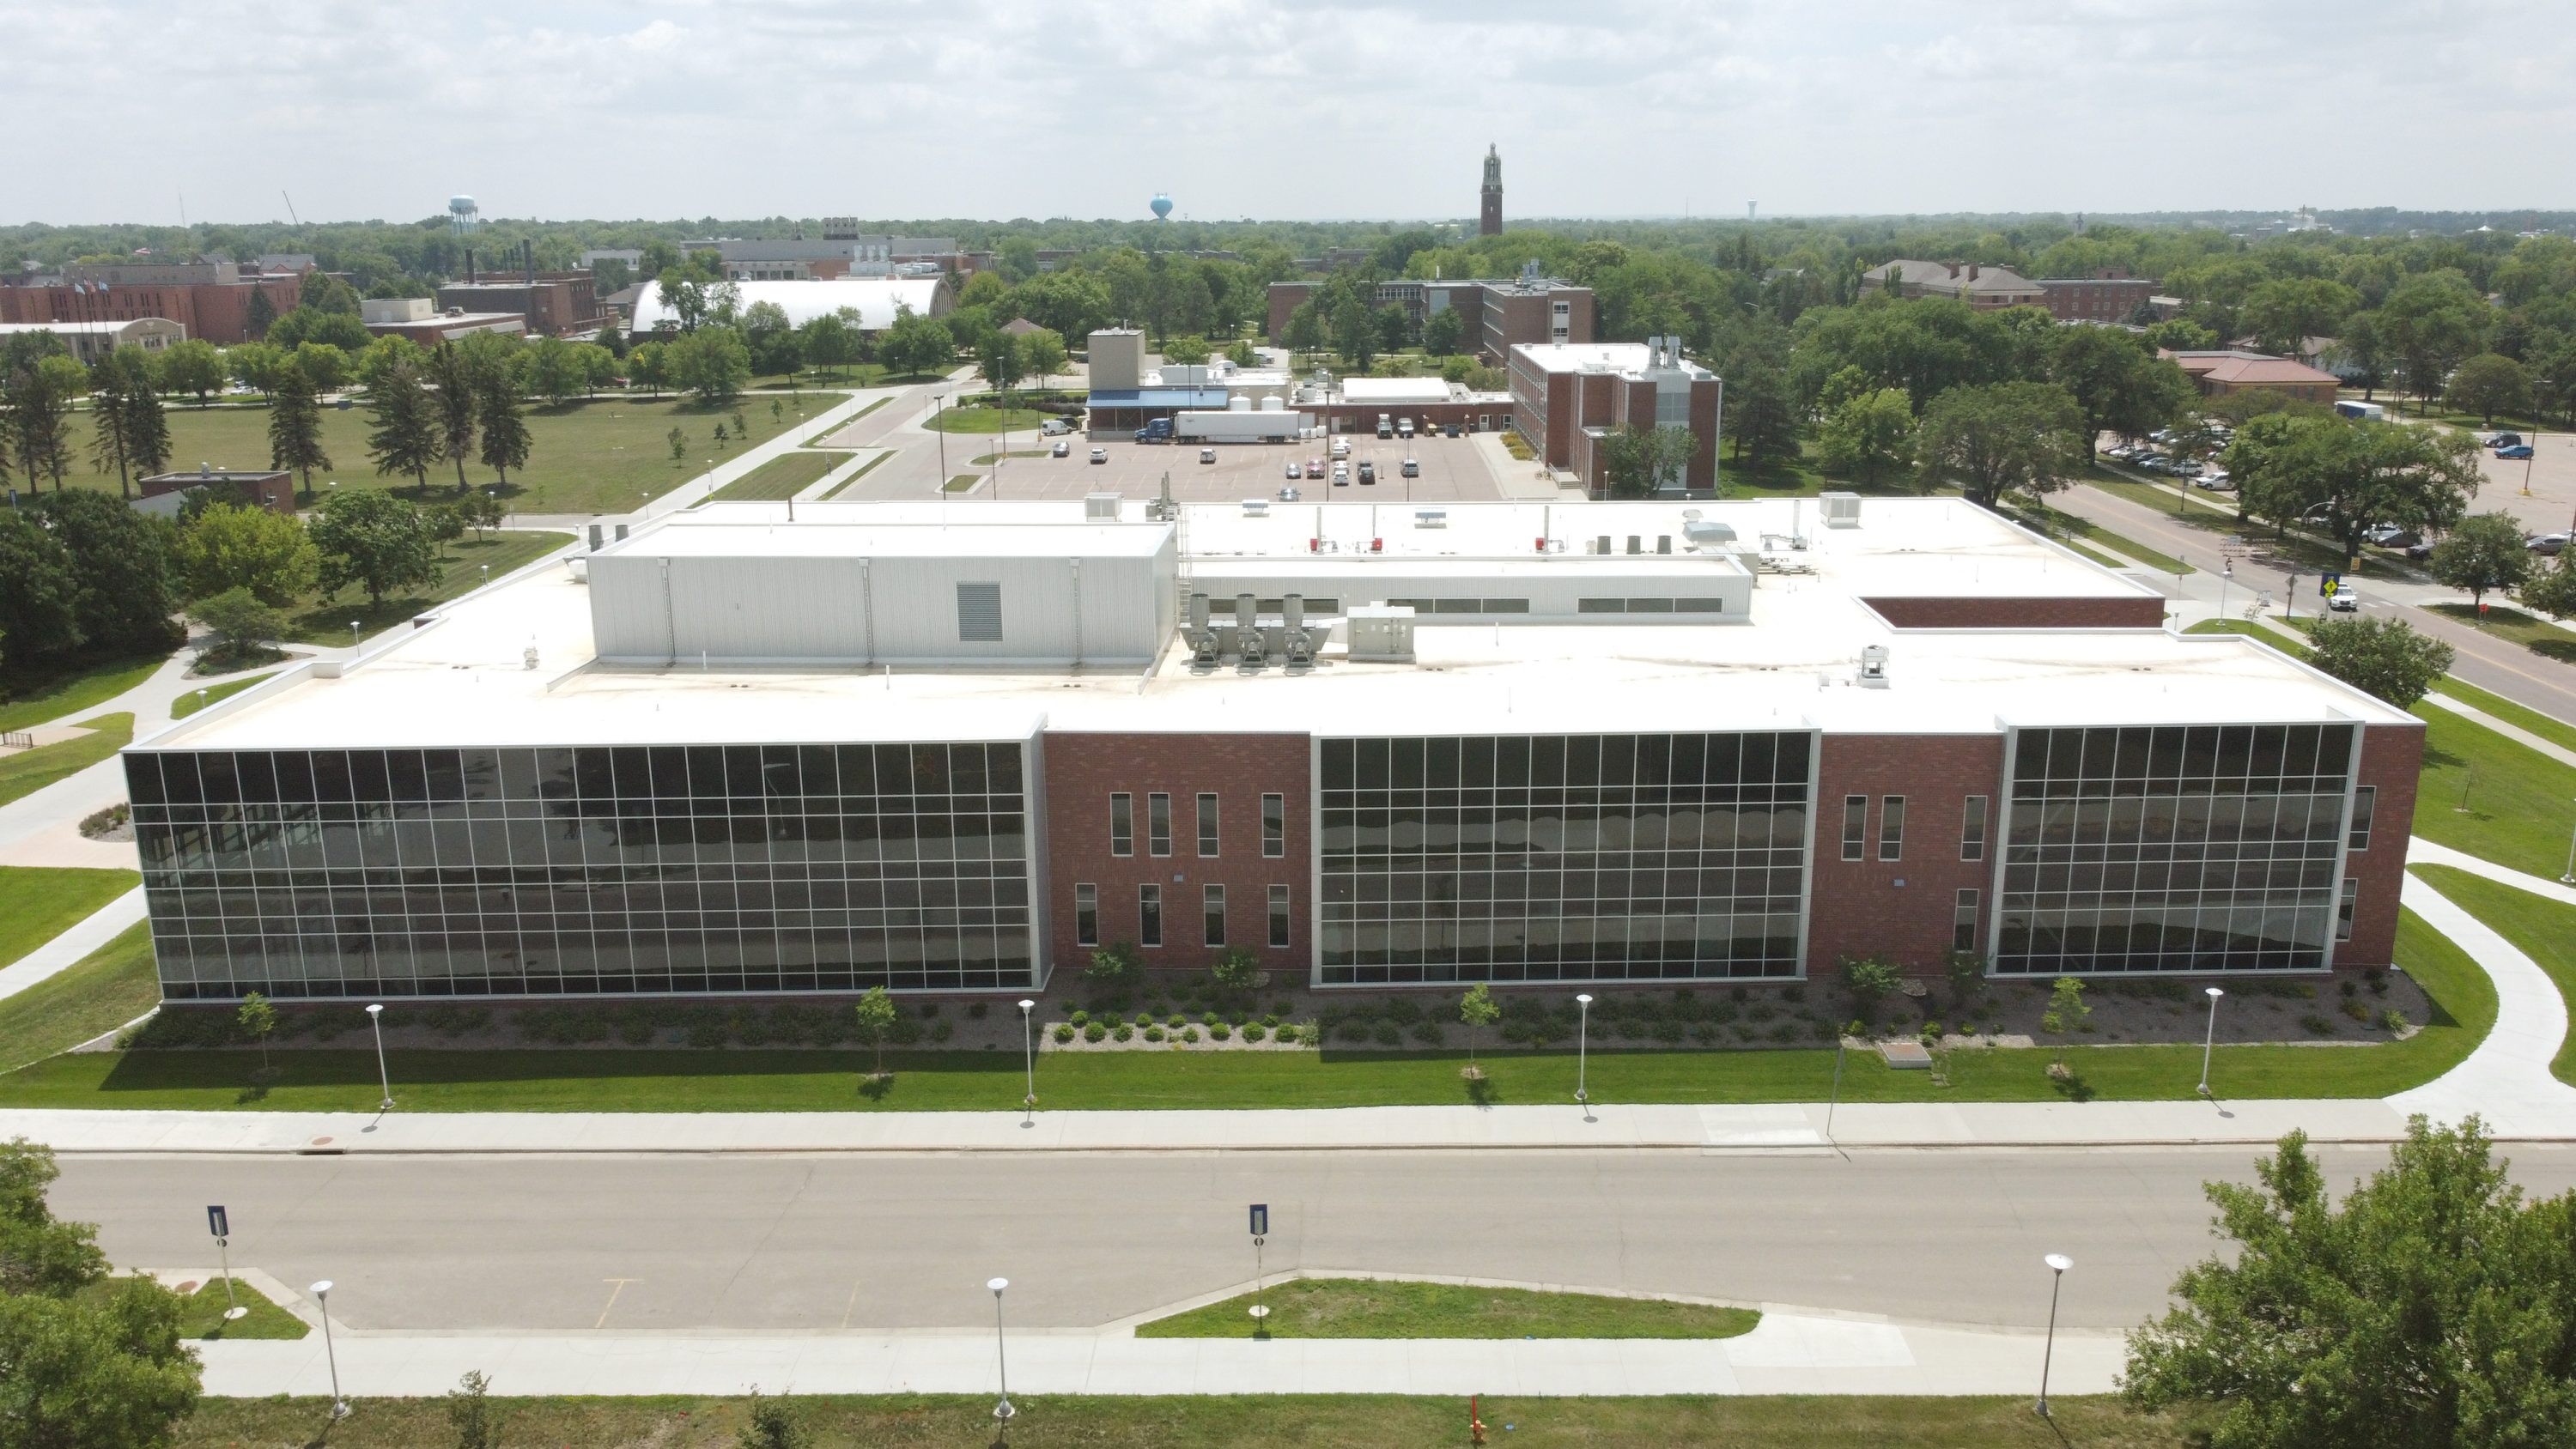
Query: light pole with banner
[
  {"x": 2057, "y": 1263},
  {"x": 1260, "y": 1234},
  {"x": 219, "y": 1223}
]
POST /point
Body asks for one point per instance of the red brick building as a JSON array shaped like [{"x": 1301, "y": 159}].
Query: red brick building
[
  {"x": 1497, "y": 314},
  {"x": 2111, "y": 295},
  {"x": 212, "y": 300},
  {"x": 1566, "y": 398}
]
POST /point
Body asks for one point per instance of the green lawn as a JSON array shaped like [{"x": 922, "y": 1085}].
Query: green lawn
[
  {"x": 809, "y": 1080},
  {"x": 784, "y": 476},
  {"x": 1372, "y": 1308},
  {"x": 2557, "y": 731},
  {"x": 2218, "y": 519},
  {"x": 986, "y": 460},
  {"x": 2512, "y": 625},
  {"x": 461, "y": 568},
  {"x": 605, "y": 456},
  {"x": 865, "y": 468},
  {"x": 42, "y": 696},
  {"x": 197, "y": 699},
  {"x": 203, "y": 1316},
  {"x": 2493, "y": 797},
  {"x": 94, "y": 995},
  {"x": 985, "y": 420},
  {"x": 28, "y": 771},
  {"x": 962, "y": 483},
  {"x": 38, "y": 904},
  {"x": 1208, "y": 1421},
  {"x": 2544, "y": 929},
  {"x": 2077, "y": 531}
]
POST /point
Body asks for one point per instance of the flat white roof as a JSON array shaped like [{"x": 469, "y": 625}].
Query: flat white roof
[
  {"x": 716, "y": 534},
  {"x": 1396, "y": 389},
  {"x": 1596, "y": 357},
  {"x": 463, "y": 682}
]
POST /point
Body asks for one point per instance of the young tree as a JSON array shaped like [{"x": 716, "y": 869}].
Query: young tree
[
  {"x": 478, "y": 510},
  {"x": 1478, "y": 1010},
  {"x": 876, "y": 1017},
  {"x": 228, "y": 547},
  {"x": 242, "y": 626},
  {"x": 403, "y": 436},
  {"x": 1639, "y": 462},
  {"x": 374, "y": 540},
  {"x": 256, "y": 1019},
  {"x": 1868, "y": 437},
  {"x": 2384, "y": 657},
  {"x": 2001, "y": 438},
  {"x": 1186, "y": 350},
  {"x": 770, "y": 1425},
  {"x": 679, "y": 442},
  {"x": 295, "y": 428},
  {"x": 123, "y": 596},
  {"x": 324, "y": 366},
  {"x": 192, "y": 366},
  {"x": 451, "y": 406},
  {"x": 469, "y": 1412},
  {"x": 38, "y": 593},
  {"x": 1868, "y": 980},
  {"x": 1235, "y": 970},
  {"x": 2488, "y": 384},
  {"x": 915, "y": 346},
  {"x": 2427, "y": 1307},
  {"x": 257, "y": 365},
  {"x": 2485, "y": 553},
  {"x": 1116, "y": 966},
  {"x": 647, "y": 365},
  {"x": 2066, "y": 1010},
  {"x": 999, "y": 360}
]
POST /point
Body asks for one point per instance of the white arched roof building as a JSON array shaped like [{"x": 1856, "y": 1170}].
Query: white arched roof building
[{"x": 876, "y": 299}]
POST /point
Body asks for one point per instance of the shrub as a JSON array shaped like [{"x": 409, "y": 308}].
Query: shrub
[
  {"x": 707, "y": 1030},
  {"x": 1153, "y": 1033},
  {"x": 1668, "y": 1030},
  {"x": 1117, "y": 964},
  {"x": 1287, "y": 1034},
  {"x": 2394, "y": 1020},
  {"x": 1868, "y": 979},
  {"x": 2350, "y": 987},
  {"x": 930, "y": 1011},
  {"x": 1078, "y": 1017},
  {"x": 1389, "y": 1034},
  {"x": 1219, "y": 1031},
  {"x": 1255, "y": 1032},
  {"x": 942, "y": 1029},
  {"x": 1123, "y": 1032},
  {"x": 1189, "y": 1033},
  {"x": 1095, "y": 1032},
  {"x": 2316, "y": 1025},
  {"x": 1176, "y": 1021},
  {"x": 1063, "y": 1031},
  {"x": 2066, "y": 1009},
  {"x": 976, "y": 1009},
  {"x": 1785, "y": 1033},
  {"x": 1270, "y": 1020},
  {"x": 1793, "y": 992},
  {"x": 2357, "y": 1011},
  {"x": 1429, "y": 1033},
  {"x": 1721, "y": 1012},
  {"x": 1824, "y": 1030},
  {"x": 1282, "y": 1007},
  {"x": 1235, "y": 970}
]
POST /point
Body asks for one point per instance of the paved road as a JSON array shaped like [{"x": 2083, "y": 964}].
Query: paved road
[
  {"x": 2490, "y": 664},
  {"x": 822, "y": 1244}
]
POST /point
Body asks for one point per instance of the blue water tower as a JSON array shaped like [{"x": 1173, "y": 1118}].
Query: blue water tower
[{"x": 1162, "y": 205}]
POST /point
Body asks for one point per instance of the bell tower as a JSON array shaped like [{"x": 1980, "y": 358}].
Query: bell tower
[{"x": 1489, "y": 220}]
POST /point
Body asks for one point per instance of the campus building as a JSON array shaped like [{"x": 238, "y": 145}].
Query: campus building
[
  {"x": 87, "y": 342},
  {"x": 1983, "y": 287},
  {"x": 1497, "y": 314},
  {"x": 1567, "y": 398},
  {"x": 757, "y": 748},
  {"x": 209, "y": 299}
]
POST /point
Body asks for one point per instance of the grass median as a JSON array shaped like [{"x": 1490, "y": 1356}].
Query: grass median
[
  {"x": 29, "y": 771},
  {"x": 38, "y": 903},
  {"x": 2544, "y": 930},
  {"x": 1319, "y": 1421},
  {"x": 815, "y": 1080},
  {"x": 41, "y": 696},
  {"x": 784, "y": 476},
  {"x": 1380, "y": 1308},
  {"x": 91, "y": 997}
]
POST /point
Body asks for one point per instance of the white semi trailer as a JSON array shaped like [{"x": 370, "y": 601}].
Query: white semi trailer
[{"x": 1242, "y": 425}]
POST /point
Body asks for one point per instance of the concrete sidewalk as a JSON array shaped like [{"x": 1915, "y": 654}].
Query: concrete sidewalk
[
  {"x": 1788, "y": 1353},
  {"x": 84, "y": 936}
]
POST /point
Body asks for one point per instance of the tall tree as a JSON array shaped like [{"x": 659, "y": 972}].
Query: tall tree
[
  {"x": 1355, "y": 334},
  {"x": 295, "y": 428},
  {"x": 2488, "y": 384},
  {"x": 121, "y": 575},
  {"x": 260, "y": 314},
  {"x": 714, "y": 366},
  {"x": 1642, "y": 462},
  {"x": 1042, "y": 353},
  {"x": 109, "y": 431},
  {"x": 376, "y": 541},
  {"x": 505, "y": 434},
  {"x": 228, "y": 546},
  {"x": 403, "y": 435},
  {"x": 147, "y": 428},
  {"x": 1443, "y": 333},
  {"x": 39, "y": 593},
  {"x": 192, "y": 366},
  {"x": 2121, "y": 387},
  {"x": 2483, "y": 555},
  {"x": 1868, "y": 437},
  {"x": 999, "y": 359},
  {"x": 2284, "y": 312},
  {"x": 2343, "y": 477},
  {"x": 452, "y": 406},
  {"x": 2001, "y": 438},
  {"x": 38, "y": 422},
  {"x": 2383, "y": 657},
  {"x": 2432, "y": 322}
]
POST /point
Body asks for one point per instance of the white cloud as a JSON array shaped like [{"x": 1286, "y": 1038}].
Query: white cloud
[{"x": 921, "y": 109}]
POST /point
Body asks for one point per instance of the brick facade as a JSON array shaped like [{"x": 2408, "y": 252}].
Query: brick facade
[
  {"x": 1902, "y": 909},
  {"x": 2391, "y": 758},
  {"x": 216, "y": 312},
  {"x": 1083, "y": 770},
  {"x": 2146, "y": 612}
]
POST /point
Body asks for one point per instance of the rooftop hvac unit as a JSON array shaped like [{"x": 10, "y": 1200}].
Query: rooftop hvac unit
[
  {"x": 1381, "y": 633},
  {"x": 1100, "y": 507},
  {"x": 1256, "y": 508},
  {"x": 1707, "y": 532},
  {"x": 1431, "y": 518},
  {"x": 1873, "y": 667},
  {"x": 1842, "y": 510}
]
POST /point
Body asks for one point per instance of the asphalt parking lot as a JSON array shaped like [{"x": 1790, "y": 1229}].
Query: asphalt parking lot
[
  {"x": 1453, "y": 470},
  {"x": 2551, "y": 475}
]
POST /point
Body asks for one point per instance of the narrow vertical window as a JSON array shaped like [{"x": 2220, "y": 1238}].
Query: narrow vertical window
[
  {"x": 1122, "y": 824},
  {"x": 2365, "y": 803},
  {"x": 1891, "y": 828},
  {"x": 1274, "y": 826},
  {"x": 1855, "y": 826},
  {"x": 1972, "y": 830},
  {"x": 1963, "y": 922},
  {"x": 1279, "y": 915},
  {"x": 2344, "y": 909},
  {"x": 1086, "y": 914},
  {"x": 1158, "y": 823},
  {"x": 1149, "y": 915},
  {"x": 1207, "y": 824},
  {"x": 1212, "y": 914}
]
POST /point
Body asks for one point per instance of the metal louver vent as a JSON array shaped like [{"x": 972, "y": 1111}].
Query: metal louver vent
[{"x": 979, "y": 613}]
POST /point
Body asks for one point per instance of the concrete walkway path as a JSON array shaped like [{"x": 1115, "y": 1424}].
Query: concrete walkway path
[
  {"x": 79, "y": 939},
  {"x": 2506, "y": 728},
  {"x": 2507, "y": 1081}
]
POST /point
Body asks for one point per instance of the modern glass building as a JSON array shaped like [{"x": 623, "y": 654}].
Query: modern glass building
[
  {"x": 590, "y": 870},
  {"x": 2175, "y": 848},
  {"x": 1616, "y": 857}
]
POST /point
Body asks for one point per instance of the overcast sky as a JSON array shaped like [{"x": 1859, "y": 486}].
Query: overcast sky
[{"x": 1008, "y": 108}]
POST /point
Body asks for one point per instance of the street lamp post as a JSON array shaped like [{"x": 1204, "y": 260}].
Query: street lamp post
[
  {"x": 1002, "y": 1411},
  {"x": 322, "y": 1296},
  {"x": 2226, "y": 574},
  {"x": 1029, "y": 1056},
  {"x": 2211, "y": 1040},
  {"x": 376, "y": 1019},
  {"x": 1582, "y": 1053},
  {"x": 939, "y": 401},
  {"x": 2568, "y": 876},
  {"x": 2057, "y": 1263},
  {"x": 353, "y": 636}
]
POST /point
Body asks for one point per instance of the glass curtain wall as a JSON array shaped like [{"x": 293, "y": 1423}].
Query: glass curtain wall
[
  {"x": 1563, "y": 857},
  {"x": 708, "y": 868},
  {"x": 2173, "y": 848}
]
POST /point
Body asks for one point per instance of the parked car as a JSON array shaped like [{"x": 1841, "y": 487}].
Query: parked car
[
  {"x": 2514, "y": 451},
  {"x": 2504, "y": 440},
  {"x": 1288, "y": 494},
  {"x": 2389, "y": 535},
  {"x": 1293, "y": 470},
  {"x": 1062, "y": 449},
  {"x": 1207, "y": 455},
  {"x": 2215, "y": 482},
  {"x": 2548, "y": 545},
  {"x": 1314, "y": 467},
  {"x": 1368, "y": 472},
  {"x": 1054, "y": 426},
  {"x": 1341, "y": 447},
  {"x": 1341, "y": 474},
  {"x": 1100, "y": 455},
  {"x": 1412, "y": 469}
]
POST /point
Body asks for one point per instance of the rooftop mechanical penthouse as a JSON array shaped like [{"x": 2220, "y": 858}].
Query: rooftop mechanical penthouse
[{"x": 953, "y": 747}]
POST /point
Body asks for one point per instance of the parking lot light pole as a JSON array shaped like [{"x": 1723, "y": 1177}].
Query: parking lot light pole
[
  {"x": 2057, "y": 1263},
  {"x": 376, "y": 1019},
  {"x": 2568, "y": 876},
  {"x": 1029, "y": 1055},
  {"x": 322, "y": 1296},
  {"x": 937, "y": 402},
  {"x": 1002, "y": 1411},
  {"x": 1582, "y": 1052},
  {"x": 2211, "y": 1040}
]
